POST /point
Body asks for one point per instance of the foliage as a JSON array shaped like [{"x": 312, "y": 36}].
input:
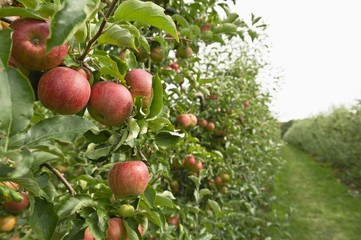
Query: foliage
[
  {"x": 334, "y": 139},
  {"x": 35, "y": 141}
]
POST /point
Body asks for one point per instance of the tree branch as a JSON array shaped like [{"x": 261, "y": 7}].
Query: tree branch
[
  {"x": 100, "y": 31},
  {"x": 61, "y": 177}
]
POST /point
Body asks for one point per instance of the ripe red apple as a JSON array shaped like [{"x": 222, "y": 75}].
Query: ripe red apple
[
  {"x": 246, "y": 103},
  {"x": 140, "y": 82},
  {"x": 87, "y": 235},
  {"x": 198, "y": 167},
  {"x": 64, "y": 90},
  {"x": 85, "y": 72},
  {"x": 210, "y": 126},
  {"x": 205, "y": 27},
  {"x": 29, "y": 44},
  {"x": 183, "y": 120},
  {"x": 7, "y": 223},
  {"x": 16, "y": 207},
  {"x": 174, "y": 65},
  {"x": 193, "y": 120},
  {"x": 218, "y": 181},
  {"x": 214, "y": 97},
  {"x": 128, "y": 179},
  {"x": 184, "y": 52},
  {"x": 203, "y": 123},
  {"x": 110, "y": 103},
  {"x": 156, "y": 54},
  {"x": 226, "y": 177},
  {"x": 173, "y": 220},
  {"x": 190, "y": 161}
]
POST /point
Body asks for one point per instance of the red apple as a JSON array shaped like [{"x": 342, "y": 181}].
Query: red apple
[
  {"x": 210, "y": 126},
  {"x": 214, "y": 97},
  {"x": 174, "y": 65},
  {"x": 205, "y": 28},
  {"x": 184, "y": 120},
  {"x": 190, "y": 161},
  {"x": 246, "y": 103},
  {"x": 156, "y": 54},
  {"x": 64, "y": 90},
  {"x": 184, "y": 52},
  {"x": 193, "y": 120},
  {"x": 203, "y": 123},
  {"x": 16, "y": 207},
  {"x": 7, "y": 223},
  {"x": 198, "y": 167},
  {"x": 87, "y": 235},
  {"x": 140, "y": 82},
  {"x": 173, "y": 220},
  {"x": 84, "y": 71},
  {"x": 110, "y": 103},
  {"x": 128, "y": 179},
  {"x": 218, "y": 181},
  {"x": 29, "y": 44}
]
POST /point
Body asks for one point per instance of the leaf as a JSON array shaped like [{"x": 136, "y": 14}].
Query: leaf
[
  {"x": 216, "y": 208},
  {"x": 167, "y": 139},
  {"x": 187, "y": 32},
  {"x": 10, "y": 193},
  {"x": 195, "y": 29},
  {"x": 17, "y": 11},
  {"x": 146, "y": 12},
  {"x": 205, "y": 191},
  {"x": 62, "y": 128},
  {"x": 96, "y": 153},
  {"x": 131, "y": 227},
  {"x": 97, "y": 220},
  {"x": 42, "y": 157},
  {"x": 68, "y": 20},
  {"x": 156, "y": 98},
  {"x": 181, "y": 20},
  {"x": 252, "y": 34},
  {"x": 149, "y": 195},
  {"x": 144, "y": 43},
  {"x": 23, "y": 161},
  {"x": 29, "y": 184},
  {"x": 17, "y": 100},
  {"x": 44, "y": 219},
  {"x": 74, "y": 204},
  {"x": 225, "y": 28},
  {"x": 134, "y": 130},
  {"x": 207, "y": 80},
  {"x": 117, "y": 36},
  {"x": 31, "y": 4},
  {"x": 163, "y": 201},
  {"x": 5, "y": 47}
]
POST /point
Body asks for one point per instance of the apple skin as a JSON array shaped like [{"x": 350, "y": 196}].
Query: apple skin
[
  {"x": 205, "y": 28},
  {"x": 87, "y": 235},
  {"x": 128, "y": 179},
  {"x": 16, "y": 207},
  {"x": 156, "y": 54},
  {"x": 174, "y": 185},
  {"x": 190, "y": 161},
  {"x": 174, "y": 65},
  {"x": 29, "y": 44},
  {"x": 184, "y": 120},
  {"x": 203, "y": 123},
  {"x": 110, "y": 103},
  {"x": 64, "y": 90},
  {"x": 126, "y": 210},
  {"x": 224, "y": 189},
  {"x": 226, "y": 177},
  {"x": 7, "y": 223},
  {"x": 214, "y": 97},
  {"x": 173, "y": 220},
  {"x": 218, "y": 181},
  {"x": 198, "y": 167},
  {"x": 193, "y": 120},
  {"x": 210, "y": 126},
  {"x": 140, "y": 82},
  {"x": 184, "y": 52},
  {"x": 246, "y": 103}
]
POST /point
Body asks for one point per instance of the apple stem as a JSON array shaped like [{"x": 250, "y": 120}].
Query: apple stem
[
  {"x": 61, "y": 177},
  {"x": 100, "y": 31}
]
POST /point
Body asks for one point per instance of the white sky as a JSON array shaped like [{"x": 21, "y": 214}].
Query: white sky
[{"x": 317, "y": 43}]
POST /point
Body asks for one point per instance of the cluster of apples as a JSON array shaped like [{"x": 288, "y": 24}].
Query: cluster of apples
[
  {"x": 187, "y": 120},
  {"x": 219, "y": 182},
  {"x": 68, "y": 91},
  {"x": 205, "y": 124},
  {"x": 7, "y": 222}
]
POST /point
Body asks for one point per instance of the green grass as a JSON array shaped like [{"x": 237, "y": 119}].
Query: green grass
[{"x": 319, "y": 207}]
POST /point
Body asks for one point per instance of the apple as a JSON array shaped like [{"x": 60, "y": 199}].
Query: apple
[
  {"x": 87, "y": 235},
  {"x": 184, "y": 52},
  {"x": 140, "y": 82},
  {"x": 203, "y": 123},
  {"x": 141, "y": 54},
  {"x": 173, "y": 220},
  {"x": 214, "y": 97},
  {"x": 156, "y": 54},
  {"x": 16, "y": 207},
  {"x": 218, "y": 181},
  {"x": 85, "y": 72},
  {"x": 110, "y": 103},
  {"x": 183, "y": 120},
  {"x": 224, "y": 189},
  {"x": 174, "y": 65},
  {"x": 246, "y": 103},
  {"x": 198, "y": 167},
  {"x": 64, "y": 90},
  {"x": 226, "y": 177},
  {"x": 193, "y": 120},
  {"x": 7, "y": 223},
  {"x": 205, "y": 28},
  {"x": 126, "y": 210},
  {"x": 174, "y": 185},
  {"x": 128, "y": 179},
  {"x": 29, "y": 44},
  {"x": 210, "y": 126},
  {"x": 190, "y": 161}
]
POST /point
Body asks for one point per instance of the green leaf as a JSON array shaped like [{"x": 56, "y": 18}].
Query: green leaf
[
  {"x": 23, "y": 161},
  {"x": 195, "y": 29},
  {"x": 205, "y": 191},
  {"x": 47, "y": 9},
  {"x": 62, "y": 128},
  {"x": 5, "y": 47},
  {"x": 156, "y": 98},
  {"x": 31, "y": 4},
  {"x": 252, "y": 34},
  {"x": 134, "y": 130},
  {"x": 146, "y": 12},
  {"x": 216, "y": 208},
  {"x": 29, "y": 184},
  {"x": 97, "y": 220},
  {"x": 17, "y": 11},
  {"x": 17, "y": 100},
  {"x": 181, "y": 20},
  {"x": 225, "y": 28},
  {"x": 96, "y": 153},
  {"x": 74, "y": 204},
  {"x": 131, "y": 227},
  {"x": 10, "y": 193},
  {"x": 207, "y": 35},
  {"x": 167, "y": 139},
  {"x": 42, "y": 157},
  {"x": 187, "y": 32},
  {"x": 150, "y": 213},
  {"x": 207, "y": 80},
  {"x": 163, "y": 201},
  {"x": 149, "y": 195},
  {"x": 68, "y": 20},
  {"x": 117, "y": 36},
  {"x": 144, "y": 43},
  {"x": 44, "y": 219}
]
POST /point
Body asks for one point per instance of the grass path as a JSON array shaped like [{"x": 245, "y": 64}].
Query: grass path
[{"x": 321, "y": 208}]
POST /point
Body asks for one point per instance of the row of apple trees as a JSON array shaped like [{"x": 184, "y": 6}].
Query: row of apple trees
[
  {"x": 334, "y": 139},
  {"x": 185, "y": 152}
]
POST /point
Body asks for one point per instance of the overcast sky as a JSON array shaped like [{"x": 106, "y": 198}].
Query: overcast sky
[{"x": 317, "y": 43}]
